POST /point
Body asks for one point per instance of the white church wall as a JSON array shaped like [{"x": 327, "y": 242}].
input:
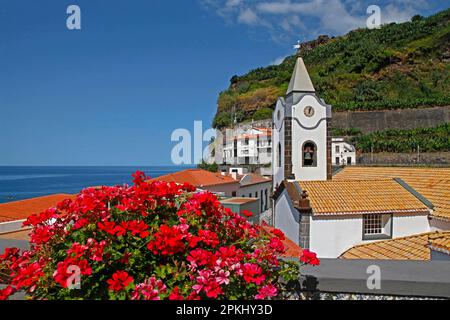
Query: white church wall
[
  {"x": 330, "y": 237},
  {"x": 406, "y": 225},
  {"x": 287, "y": 217}
]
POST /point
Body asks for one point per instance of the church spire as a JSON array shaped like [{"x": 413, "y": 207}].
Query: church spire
[{"x": 300, "y": 80}]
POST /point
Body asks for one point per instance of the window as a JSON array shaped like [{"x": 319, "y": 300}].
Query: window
[
  {"x": 372, "y": 224},
  {"x": 337, "y": 149},
  {"x": 262, "y": 200},
  {"x": 256, "y": 194},
  {"x": 337, "y": 161},
  {"x": 266, "y": 200},
  {"x": 349, "y": 160},
  {"x": 309, "y": 153},
  {"x": 377, "y": 226},
  {"x": 249, "y": 195},
  {"x": 279, "y": 155},
  {"x": 233, "y": 194}
]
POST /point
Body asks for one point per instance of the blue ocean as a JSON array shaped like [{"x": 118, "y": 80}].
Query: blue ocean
[{"x": 18, "y": 183}]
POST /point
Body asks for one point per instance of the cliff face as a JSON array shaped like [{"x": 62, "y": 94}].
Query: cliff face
[{"x": 400, "y": 66}]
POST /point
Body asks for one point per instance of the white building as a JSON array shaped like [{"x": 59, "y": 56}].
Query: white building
[
  {"x": 245, "y": 147},
  {"x": 342, "y": 152},
  {"x": 331, "y": 216}
]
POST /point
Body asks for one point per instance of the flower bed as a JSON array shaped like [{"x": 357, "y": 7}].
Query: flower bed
[{"x": 147, "y": 241}]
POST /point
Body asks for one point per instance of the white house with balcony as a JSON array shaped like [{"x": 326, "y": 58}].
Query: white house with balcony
[
  {"x": 342, "y": 152},
  {"x": 247, "y": 147}
]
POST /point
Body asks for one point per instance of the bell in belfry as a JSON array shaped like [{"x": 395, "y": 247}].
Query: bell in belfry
[{"x": 308, "y": 155}]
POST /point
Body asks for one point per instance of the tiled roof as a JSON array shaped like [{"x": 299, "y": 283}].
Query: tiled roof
[
  {"x": 415, "y": 247},
  {"x": 19, "y": 210},
  {"x": 196, "y": 177},
  {"x": 238, "y": 200},
  {"x": 360, "y": 196},
  {"x": 440, "y": 243},
  {"x": 253, "y": 178},
  {"x": 432, "y": 183}
]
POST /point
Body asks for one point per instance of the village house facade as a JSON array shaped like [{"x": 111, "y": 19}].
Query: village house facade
[
  {"x": 330, "y": 215},
  {"x": 342, "y": 152}
]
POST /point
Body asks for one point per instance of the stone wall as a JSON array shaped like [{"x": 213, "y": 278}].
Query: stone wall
[
  {"x": 370, "y": 121},
  {"x": 385, "y": 158}
]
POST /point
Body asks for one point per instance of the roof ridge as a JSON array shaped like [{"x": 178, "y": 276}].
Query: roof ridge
[{"x": 415, "y": 193}]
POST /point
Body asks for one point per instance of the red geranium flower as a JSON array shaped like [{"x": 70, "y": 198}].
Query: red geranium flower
[
  {"x": 168, "y": 241},
  {"x": 247, "y": 213},
  {"x": 119, "y": 281},
  {"x": 175, "y": 294},
  {"x": 309, "y": 257},
  {"x": 253, "y": 273},
  {"x": 6, "y": 293},
  {"x": 278, "y": 233}
]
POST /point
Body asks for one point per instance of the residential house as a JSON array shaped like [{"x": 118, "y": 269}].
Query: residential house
[{"x": 342, "y": 152}]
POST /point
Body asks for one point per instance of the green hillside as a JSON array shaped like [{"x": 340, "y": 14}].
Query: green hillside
[{"x": 398, "y": 66}]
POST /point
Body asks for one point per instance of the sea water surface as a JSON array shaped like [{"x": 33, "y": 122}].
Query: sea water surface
[{"x": 18, "y": 183}]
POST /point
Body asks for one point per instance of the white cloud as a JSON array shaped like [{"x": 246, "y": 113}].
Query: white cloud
[
  {"x": 248, "y": 16},
  {"x": 284, "y": 19}
]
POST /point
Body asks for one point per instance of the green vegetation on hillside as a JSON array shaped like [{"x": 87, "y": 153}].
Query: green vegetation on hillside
[
  {"x": 394, "y": 140},
  {"x": 398, "y": 66}
]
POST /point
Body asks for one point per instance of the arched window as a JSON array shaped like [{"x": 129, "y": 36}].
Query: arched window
[
  {"x": 309, "y": 154},
  {"x": 279, "y": 155}
]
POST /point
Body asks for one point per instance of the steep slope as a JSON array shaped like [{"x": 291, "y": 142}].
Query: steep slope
[{"x": 398, "y": 66}]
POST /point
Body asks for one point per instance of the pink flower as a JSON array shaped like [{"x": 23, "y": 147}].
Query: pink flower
[
  {"x": 267, "y": 291},
  {"x": 149, "y": 290}
]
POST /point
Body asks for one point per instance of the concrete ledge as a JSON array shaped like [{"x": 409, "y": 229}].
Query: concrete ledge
[
  {"x": 402, "y": 278},
  {"x": 11, "y": 226}
]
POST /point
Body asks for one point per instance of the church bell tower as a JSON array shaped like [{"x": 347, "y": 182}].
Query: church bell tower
[{"x": 301, "y": 132}]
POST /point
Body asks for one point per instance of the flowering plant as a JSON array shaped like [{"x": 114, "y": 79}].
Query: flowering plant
[{"x": 149, "y": 241}]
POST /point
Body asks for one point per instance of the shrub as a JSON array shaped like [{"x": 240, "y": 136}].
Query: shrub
[{"x": 148, "y": 241}]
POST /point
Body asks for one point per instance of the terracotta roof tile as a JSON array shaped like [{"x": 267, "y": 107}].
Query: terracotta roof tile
[
  {"x": 19, "y": 210},
  {"x": 196, "y": 177},
  {"x": 432, "y": 183},
  {"x": 360, "y": 196},
  {"x": 440, "y": 242},
  {"x": 415, "y": 247},
  {"x": 253, "y": 178}
]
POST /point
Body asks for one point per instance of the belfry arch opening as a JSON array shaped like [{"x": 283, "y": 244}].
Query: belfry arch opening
[{"x": 309, "y": 154}]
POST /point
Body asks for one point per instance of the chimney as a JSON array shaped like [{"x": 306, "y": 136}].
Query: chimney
[
  {"x": 234, "y": 175},
  {"x": 304, "y": 207}
]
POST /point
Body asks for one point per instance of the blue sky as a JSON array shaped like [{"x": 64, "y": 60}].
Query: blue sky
[{"x": 113, "y": 92}]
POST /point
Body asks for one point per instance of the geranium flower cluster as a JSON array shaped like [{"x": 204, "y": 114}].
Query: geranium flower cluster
[{"x": 152, "y": 241}]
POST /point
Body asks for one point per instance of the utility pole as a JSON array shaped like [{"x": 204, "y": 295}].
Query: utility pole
[{"x": 418, "y": 153}]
